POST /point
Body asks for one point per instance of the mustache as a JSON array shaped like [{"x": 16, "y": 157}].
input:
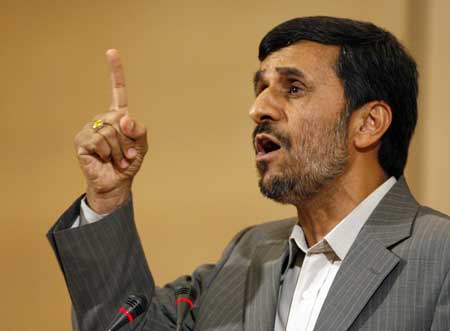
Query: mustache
[{"x": 267, "y": 127}]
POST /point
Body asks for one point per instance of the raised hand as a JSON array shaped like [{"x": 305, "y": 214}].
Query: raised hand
[{"x": 111, "y": 148}]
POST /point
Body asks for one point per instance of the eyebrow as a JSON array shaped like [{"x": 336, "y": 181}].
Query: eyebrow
[
  {"x": 257, "y": 77},
  {"x": 284, "y": 71},
  {"x": 290, "y": 71}
]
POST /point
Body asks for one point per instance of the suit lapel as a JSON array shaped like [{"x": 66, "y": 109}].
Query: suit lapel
[
  {"x": 369, "y": 260},
  {"x": 356, "y": 281},
  {"x": 222, "y": 308},
  {"x": 263, "y": 283},
  {"x": 244, "y": 294}
]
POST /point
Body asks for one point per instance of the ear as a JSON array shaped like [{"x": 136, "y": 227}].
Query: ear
[{"x": 370, "y": 123}]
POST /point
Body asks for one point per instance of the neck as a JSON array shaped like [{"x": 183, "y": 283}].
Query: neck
[{"x": 322, "y": 212}]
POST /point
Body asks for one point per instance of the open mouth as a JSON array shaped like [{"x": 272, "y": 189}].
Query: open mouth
[{"x": 265, "y": 144}]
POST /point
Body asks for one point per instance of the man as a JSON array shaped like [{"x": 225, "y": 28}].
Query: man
[{"x": 335, "y": 110}]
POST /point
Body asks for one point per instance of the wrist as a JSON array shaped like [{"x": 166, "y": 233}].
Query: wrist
[{"x": 107, "y": 202}]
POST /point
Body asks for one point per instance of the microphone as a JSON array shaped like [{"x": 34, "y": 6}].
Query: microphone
[
  {"x": 185, "y": 297},
  {"x": 132, "y": 308}
]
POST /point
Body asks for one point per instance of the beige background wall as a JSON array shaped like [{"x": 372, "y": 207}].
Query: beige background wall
[{"x": 189, "y": 67}]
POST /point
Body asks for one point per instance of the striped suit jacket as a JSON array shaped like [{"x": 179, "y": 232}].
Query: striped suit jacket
[{"x": 395, "y": 276}]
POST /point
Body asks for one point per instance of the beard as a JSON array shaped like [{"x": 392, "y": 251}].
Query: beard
[{"x": 312, "y": 161}]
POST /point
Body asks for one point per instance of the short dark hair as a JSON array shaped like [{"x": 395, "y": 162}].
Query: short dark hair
[{"x": 372, "y": 64}]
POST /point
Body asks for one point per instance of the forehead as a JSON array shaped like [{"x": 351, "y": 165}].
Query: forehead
[{"x": 316, "y": 61}]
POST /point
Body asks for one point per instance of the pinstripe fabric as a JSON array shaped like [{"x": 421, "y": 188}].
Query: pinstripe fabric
[
  {"x": 250, "y": 274},
  {"x": 263, "y": 285},
  {"x": 395, "y": 276},
  {"x": 394, "y": 271},
  {"x": 99, "y": 270}
]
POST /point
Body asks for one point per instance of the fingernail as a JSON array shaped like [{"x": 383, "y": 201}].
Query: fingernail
[
  {"x": 131, "y": 153},
  {"x": 124, "y": 163}
]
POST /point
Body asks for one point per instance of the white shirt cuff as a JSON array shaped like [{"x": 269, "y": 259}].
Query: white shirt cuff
[{"x": 87, "y": 215}]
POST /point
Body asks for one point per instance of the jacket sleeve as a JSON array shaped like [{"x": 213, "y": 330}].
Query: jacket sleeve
[
  {"x": 441, "y": 318},
  {"x": 103, "y": 263}
]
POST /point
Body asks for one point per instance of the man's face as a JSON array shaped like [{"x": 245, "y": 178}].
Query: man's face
[{"x": 300, "y": 112}]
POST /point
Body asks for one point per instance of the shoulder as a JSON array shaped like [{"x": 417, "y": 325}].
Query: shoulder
[
  {"x": 241, "y": 248},
  {"x": 432, "y": 228},
  {"x": 431, "y": 224},
  {"x": 246, "y": 240},
  {"x": 270, "y": 231},
  {"x": 430, "y": 237},
  {"x": 427, "y": 231}
]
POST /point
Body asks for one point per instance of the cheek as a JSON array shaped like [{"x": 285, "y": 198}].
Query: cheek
[
  {"x": 322, "y": 105},
  {"x": 311, "y": 136}
]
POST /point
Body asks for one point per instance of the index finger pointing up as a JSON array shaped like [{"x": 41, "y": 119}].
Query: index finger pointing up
[{"x": 119, "y": 95}]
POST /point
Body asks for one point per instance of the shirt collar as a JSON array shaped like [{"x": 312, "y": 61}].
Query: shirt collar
[{"x": 341, "y": 237}]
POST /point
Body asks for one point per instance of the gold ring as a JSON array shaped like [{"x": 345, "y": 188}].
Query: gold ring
[{"x": 98, "y": 124}]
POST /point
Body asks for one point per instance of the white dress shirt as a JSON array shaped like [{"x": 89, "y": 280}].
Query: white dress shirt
[
  {"x": 87, "y": 215},
  {"x": 310, "y": 271}
]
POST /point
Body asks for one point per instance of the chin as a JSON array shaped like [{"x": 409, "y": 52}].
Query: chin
[{"x": 277, "y": 188}]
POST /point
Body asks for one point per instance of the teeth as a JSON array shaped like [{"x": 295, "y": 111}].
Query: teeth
[
  {"x": 264, "y": 145},
  {"x": 260, "y": 148}
]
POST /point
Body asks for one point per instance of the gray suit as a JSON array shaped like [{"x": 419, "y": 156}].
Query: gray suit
[{"x": 395, "y": 276}]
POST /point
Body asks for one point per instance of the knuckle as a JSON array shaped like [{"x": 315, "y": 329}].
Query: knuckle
[
  {"x": 97, "y": 139},
  {"x": 92, "y": 148},
  {"x": 79, "y": 150},
  {"x": 80, "y": 140},
  {"x": 108, "y": 132}
]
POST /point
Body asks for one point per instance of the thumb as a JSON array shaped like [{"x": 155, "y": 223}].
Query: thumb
[{"x": 131, "y": 129}]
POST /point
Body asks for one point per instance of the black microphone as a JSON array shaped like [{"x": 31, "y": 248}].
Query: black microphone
[
  {"x": 185, "y": 297},
  {"x": 132, "y": 308}
]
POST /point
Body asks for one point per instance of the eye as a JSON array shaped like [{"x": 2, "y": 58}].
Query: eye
[{"x": 295, "y": 90}]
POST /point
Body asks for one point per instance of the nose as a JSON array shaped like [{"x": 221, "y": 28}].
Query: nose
[{"x": 266, "y": 107}]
